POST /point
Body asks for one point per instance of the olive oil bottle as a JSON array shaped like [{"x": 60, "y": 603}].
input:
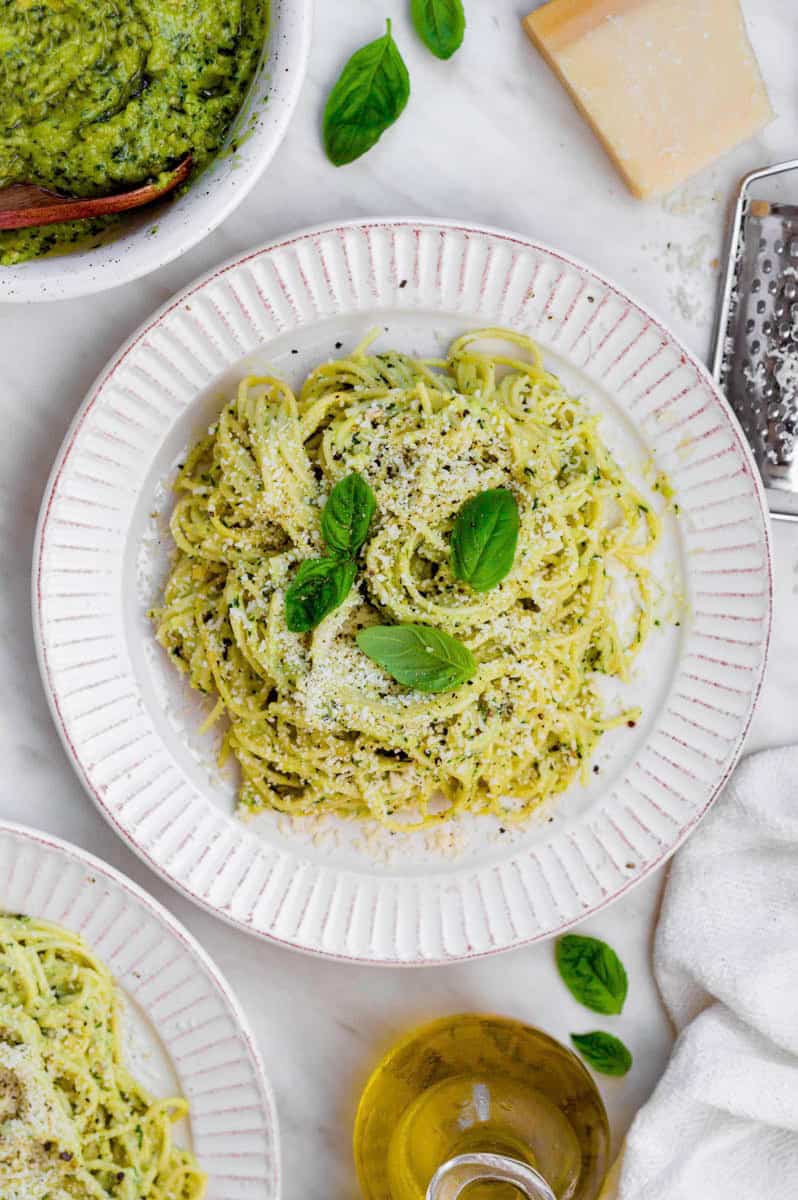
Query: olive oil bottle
[{"x": 475, "y": 1084}]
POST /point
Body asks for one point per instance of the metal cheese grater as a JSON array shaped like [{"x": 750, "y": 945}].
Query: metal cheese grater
[{"x": 756, "y": 346}]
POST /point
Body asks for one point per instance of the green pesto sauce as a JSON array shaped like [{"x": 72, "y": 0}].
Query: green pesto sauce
[{"x": 98, "y": 96}]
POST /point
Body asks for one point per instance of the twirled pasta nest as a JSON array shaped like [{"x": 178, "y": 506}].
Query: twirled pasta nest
[
  {"x": 75, "y": 1124},
  {"x": 315, "y": 725}
]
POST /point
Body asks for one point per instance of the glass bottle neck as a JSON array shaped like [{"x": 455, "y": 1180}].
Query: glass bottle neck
[{"x": 451, "y": 1180}]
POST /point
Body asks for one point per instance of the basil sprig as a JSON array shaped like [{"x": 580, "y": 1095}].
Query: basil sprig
[
  {"x": 593, "y": 973},
  {"x": 418, "y": 656},
  {"x": 347, "y": 515},
  {"x": 440, "y": 24},
  {"x": 484, "y": 539},
  {"x": 369, "y": 96},
  {"x": 319, "y": 586},
  {"x": 605, "y": 1053}
]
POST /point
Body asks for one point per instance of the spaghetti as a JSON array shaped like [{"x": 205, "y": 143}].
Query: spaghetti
[
  {"x": 74, "y": 1123},
  {"x": 314, "y": 724}
]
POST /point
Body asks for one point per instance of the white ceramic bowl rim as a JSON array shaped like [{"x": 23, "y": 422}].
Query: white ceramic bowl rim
[
  {"x": 742, "y": 451},
  {"x": 176, "y": 227}
]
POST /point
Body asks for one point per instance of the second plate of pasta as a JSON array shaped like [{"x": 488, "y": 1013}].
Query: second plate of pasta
[
  {"x": 111, "y": 1018},
  {"x": 405, "y": 567}
]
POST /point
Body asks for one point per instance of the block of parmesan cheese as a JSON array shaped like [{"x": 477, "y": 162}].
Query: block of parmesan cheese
[{"x": 668, "y": 85}]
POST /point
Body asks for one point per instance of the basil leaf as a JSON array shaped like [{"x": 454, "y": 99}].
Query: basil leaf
[
  {"x": 346, "y": 516},
  {"x": 418, "y": 656},
  {"x": 370, "y": 95},
  {"x": 605, "y": 1053},
  {"x": 592, "y": 972},
  {"x": 484, "y": 539},
  {"x": 440, "y": 24},
  {"x": 319, "y": 586}
]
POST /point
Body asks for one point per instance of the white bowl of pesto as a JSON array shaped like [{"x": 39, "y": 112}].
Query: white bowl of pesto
[{"x": 155, "y": 85}]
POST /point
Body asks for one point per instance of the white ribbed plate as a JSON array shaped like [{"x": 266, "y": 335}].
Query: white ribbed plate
[
  {"x": 182, "y": 1029},
  {"x": 130, "y": 726}
]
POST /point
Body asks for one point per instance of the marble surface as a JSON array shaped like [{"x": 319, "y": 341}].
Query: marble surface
[{"x": 488, "y": 137}]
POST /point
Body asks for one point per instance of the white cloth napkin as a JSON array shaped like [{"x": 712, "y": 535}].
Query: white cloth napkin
[{"x": 723, "y": 1121}]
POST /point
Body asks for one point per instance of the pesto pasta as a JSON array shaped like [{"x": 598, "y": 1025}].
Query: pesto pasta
[
  {"x": 314, "y": 723},
  {"x": 74, "y": 1123}
]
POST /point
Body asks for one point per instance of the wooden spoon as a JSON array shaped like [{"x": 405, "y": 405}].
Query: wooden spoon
[{"x": 25, "y": 204}]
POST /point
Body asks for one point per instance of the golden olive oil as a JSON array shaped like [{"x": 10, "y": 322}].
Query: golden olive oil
[{"x": 479, "y": 1084}]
